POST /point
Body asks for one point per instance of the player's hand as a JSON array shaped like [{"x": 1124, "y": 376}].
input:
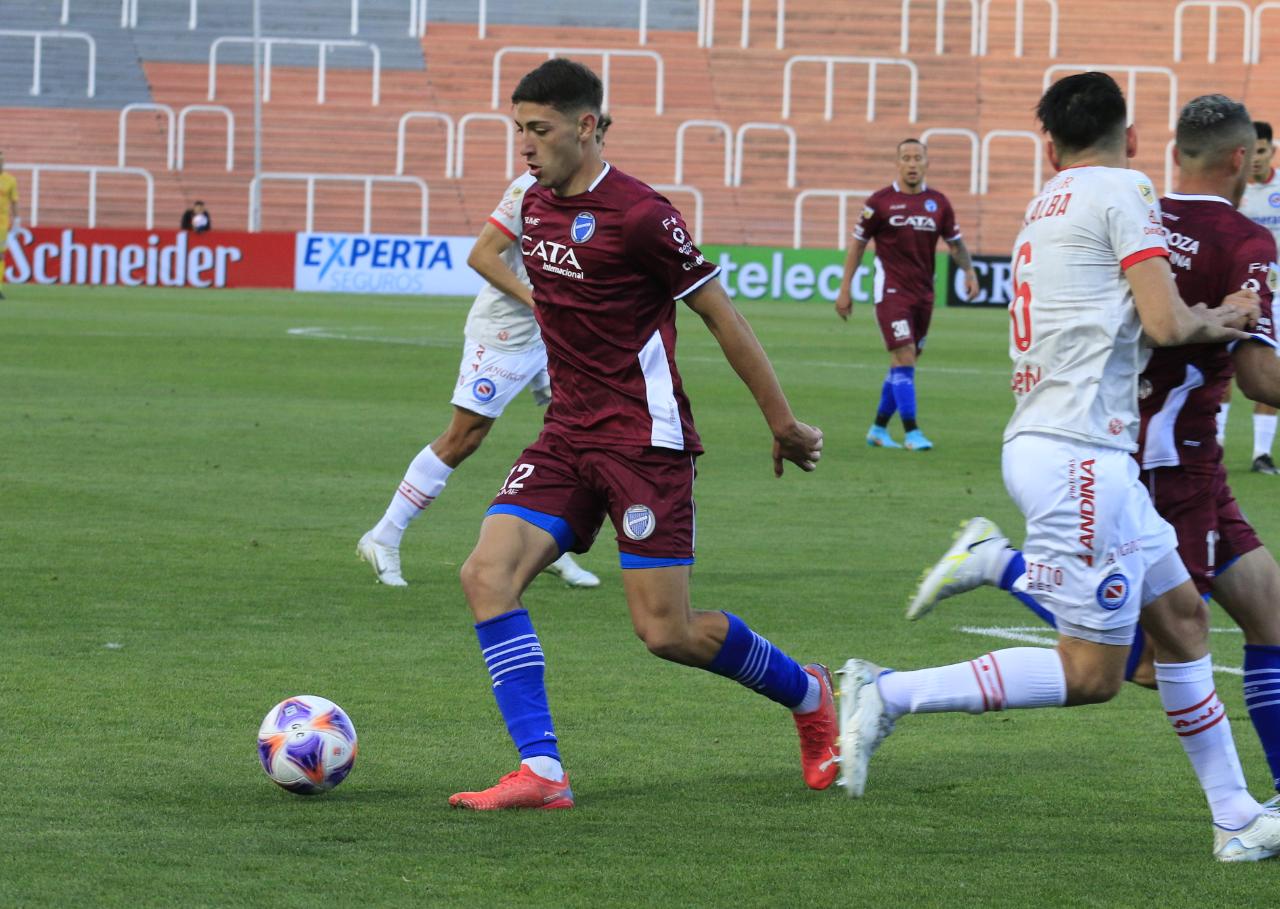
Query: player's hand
[
  {"x": 801, "y": 444},
  {"x": 971, "y": 288},
  {"x": 1247, "y": 303},
  {"x": 844, "y": 304}
]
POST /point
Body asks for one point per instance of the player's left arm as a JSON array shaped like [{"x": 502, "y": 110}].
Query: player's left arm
[
  {"x": 793, "y": 441},
  {"x": 964, "y": 262},
  {"x": 1258, "y": 372},
  {"x": 959, "y": 252}
]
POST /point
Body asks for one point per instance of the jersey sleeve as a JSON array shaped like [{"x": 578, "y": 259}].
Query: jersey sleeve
[
  {"x": 656, "y": 236},
  {"x": 949, "y": 230},
  {"x": 1253, "y": 267},
  {"x": 507, "y": 216},
  {"x": 1134, "y": 225},
  {"x": 869, "y": 223}
]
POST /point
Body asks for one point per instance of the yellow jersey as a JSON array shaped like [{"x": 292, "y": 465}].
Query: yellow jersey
[{"x": 8, "y": 197}]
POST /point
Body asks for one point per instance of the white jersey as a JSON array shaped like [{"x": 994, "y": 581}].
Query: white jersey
[
  {"x": 498, "y": 319},
  {"x": 1076, "y": 340},
  {"x": 1261, "y": 204}
]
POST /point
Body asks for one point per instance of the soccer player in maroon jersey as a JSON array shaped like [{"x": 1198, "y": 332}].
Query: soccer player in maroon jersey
[
  {"x": 1215, "y": 251},
  {"x": 905, "y": 220},
  {"x": 608, "y": 258}
]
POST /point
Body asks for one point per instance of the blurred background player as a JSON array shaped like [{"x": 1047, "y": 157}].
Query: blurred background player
[
  {"x": 502, "y": 355},
  {"x": 8, "y": 214},
  {"x": 905, "y": 220},
  {"x": 609, "y": 257},
  {"x": 1215, "y": 251},
  {"x": 1262, "y": 204},
  {"x": 1092, "y": 287}
]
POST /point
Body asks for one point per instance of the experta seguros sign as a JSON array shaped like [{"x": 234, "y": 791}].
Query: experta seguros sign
[
  {"x": 385, "y": 264},
  {"x": 149, "y": 258}
]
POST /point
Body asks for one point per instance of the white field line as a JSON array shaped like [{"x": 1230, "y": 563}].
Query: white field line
[
  {"x": 1037, "y": 634},
  {"x": 325, "y": 334}
]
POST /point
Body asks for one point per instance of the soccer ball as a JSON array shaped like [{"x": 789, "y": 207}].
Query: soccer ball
[{"x": 307, "y": 744}]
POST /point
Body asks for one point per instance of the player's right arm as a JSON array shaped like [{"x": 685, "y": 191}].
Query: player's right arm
[
  {"x": 1166, "y": 320},
  {"x": 844, "y": 299},
  {"x": 486, "y": 260}
]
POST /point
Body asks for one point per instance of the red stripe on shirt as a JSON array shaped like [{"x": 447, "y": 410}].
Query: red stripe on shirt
[
  {"x": 1142, "y": 255},
  {"x": 502, "y": 227}
]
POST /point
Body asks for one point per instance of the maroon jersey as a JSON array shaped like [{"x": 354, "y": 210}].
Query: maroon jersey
[
  {"x": 906, "y": 228},
  {"x": 607, "y": 266},
  {"x": 1213, "y": 252}
]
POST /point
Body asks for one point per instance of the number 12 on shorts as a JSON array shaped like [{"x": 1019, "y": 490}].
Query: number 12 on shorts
[
  {"x": 515, "y": 480},
  {"x": 1020, "y": 307}
]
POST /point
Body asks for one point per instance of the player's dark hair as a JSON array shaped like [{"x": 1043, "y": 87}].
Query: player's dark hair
[
  {"x": 911, "y": 142},
  {"x": 603, "y": 124},
  {"x": 566, "y": 85},
  {"x": 197, "y": 202},
  {"x": 1082, "y": 111},
  {"x": 1210, "y": 127},
  {"x": 1262, "y": 130}
]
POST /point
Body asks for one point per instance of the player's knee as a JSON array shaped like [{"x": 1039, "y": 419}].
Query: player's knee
[
  {"x": 666, "y": 643},
  {"x": 480, "y": 579},
  {"x": 1096, "y": 690}
]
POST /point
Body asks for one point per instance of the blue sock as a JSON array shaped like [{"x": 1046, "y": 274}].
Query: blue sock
[
  {"x": 888, "y": 405},
  {"x": 512, "y": 652},
  {"x": 1262, "y": 698},
  {"x": 751, "y": 660},
  {"x": 904, "y": 391}
]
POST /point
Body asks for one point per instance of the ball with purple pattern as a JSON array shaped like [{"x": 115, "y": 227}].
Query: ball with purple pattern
[{"x": 307, "y": 744}]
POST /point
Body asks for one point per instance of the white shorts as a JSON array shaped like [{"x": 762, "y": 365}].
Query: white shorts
[
  {"x": 489, "y": 379},
  {"x": 1096, "y": 550}
]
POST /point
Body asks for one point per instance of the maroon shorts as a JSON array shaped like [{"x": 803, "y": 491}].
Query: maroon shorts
[
  {"x": 903, "y": 322},
  {"x": 568, "y": 490},
  {"x": 1212, "y": 531}
]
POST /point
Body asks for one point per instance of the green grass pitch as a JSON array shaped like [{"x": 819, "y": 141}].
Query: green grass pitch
[{"x": 184, "y": 478}]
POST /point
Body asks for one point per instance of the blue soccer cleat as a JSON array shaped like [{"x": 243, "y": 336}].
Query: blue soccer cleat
[
  {"x": 878, "y": 437},
  {"x": 916, "y": 441}
]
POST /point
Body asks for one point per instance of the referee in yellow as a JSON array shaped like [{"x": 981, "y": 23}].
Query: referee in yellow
[{"x": 8, "y": 214}]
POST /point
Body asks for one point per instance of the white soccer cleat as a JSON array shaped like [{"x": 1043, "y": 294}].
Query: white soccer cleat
[
  {"x": 384, "y": 559},
  {"x": 969, "y": 563},
  {"x": 573, "y": 574},
  {"x": 864, "y": 723},
  {"x": 1259, "y": 840}
]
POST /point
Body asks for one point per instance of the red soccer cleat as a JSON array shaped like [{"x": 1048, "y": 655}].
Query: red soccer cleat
[
  {"x": 819, "y": 734},
  {"x": 519, "y": 789}
]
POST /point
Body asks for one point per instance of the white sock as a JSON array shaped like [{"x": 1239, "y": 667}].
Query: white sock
[
  {"x": 1191, "y": 702},
  {"x": 812, "y": 698},
  {"x": 546, "y": 767},
  {"x": 423, "y": 481},
  {"x": 1264, "y": 433},
  {"x": 1223, "y": 410},
  {"x": 1004, "y": 679}
]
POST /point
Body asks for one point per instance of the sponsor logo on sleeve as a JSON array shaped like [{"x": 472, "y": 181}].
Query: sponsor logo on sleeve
[
  {"x": 1273, "y": 277},
  {"x": 868, "y": 212},
  {"x": 1147, "y": 192}
]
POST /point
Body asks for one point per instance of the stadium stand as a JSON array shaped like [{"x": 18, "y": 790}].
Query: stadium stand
[{"x": 682, "y": 101}]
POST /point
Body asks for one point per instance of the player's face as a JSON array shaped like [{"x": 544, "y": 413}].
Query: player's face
[
  {"x": 1263, "y": 152},
  {"x": 551, "y": 142},
  {"x": 912, "y": 164}
]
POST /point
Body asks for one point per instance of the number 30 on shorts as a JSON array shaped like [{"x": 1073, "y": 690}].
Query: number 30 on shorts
[
  {"x": 515, "y": 480},
  {"x": 901, "y": 329}
]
